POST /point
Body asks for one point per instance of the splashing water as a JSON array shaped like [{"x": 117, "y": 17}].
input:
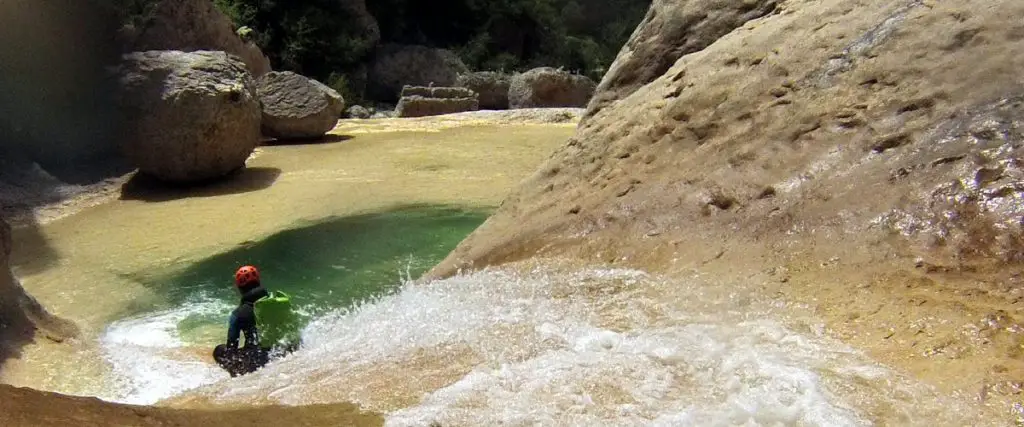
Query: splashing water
[
  {"x": 591, "y": 347},
  {"x": 149, "y": 358}
]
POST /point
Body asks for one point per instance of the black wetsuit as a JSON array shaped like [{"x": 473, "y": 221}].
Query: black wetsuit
[{"x": 250, "y": 357}]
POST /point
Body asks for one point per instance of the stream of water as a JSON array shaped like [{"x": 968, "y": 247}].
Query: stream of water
[
  {"x": 526, "y": 344},
  {"x": 546, "y": 346}
]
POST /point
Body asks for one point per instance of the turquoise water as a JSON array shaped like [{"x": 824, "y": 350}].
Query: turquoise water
[{"x": 330, "y": 264}]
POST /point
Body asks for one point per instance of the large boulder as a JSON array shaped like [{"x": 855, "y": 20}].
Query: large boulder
[
  {"x": 191, "y": 25},
  {"x": 398, "y": 65},
  {"x": 547, "y": 87},
  {"x": 490, "y": 86},
  {"x": 861, "y": 162},
  {"x": 190, "y": 116},
  {"x": 297, "y": 107}
]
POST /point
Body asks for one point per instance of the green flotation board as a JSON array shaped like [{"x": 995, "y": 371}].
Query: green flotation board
[{"x": 278, "y": 324}]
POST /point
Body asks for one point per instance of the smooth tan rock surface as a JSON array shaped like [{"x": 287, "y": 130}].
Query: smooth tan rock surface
[{"x": 859, "y": 157}]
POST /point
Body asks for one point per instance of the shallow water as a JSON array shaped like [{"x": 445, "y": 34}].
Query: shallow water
[
  {"x": 579, "y": 347},
  {"x": 149, "y": 279},
  {"x": 325, "y": 265},
  {"x": 106, "y": 262}
]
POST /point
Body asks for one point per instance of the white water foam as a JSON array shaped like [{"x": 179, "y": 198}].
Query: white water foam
[
  {"x": 148, "y": 357},
  {"x": 598, "y": 347}
]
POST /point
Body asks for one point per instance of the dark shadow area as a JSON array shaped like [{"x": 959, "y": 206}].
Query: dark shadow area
[
  {"x": 325, "y": 265},
  {"x": 32, "y": 252},
  {"x": 326, "y": 139},
  {"x": 146, "y": 188},
  {"x": 22, "y": 318}
]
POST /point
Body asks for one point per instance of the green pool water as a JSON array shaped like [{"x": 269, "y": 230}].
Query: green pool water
[{"x": 327, "y": 265}]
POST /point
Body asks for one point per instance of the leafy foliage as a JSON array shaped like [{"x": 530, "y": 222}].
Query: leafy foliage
[
  {"x": 311, "y": 37},
  {"x": 324, "y": 39},
  {"x": 318, "y": 38},
  {"x": 581, "y": 35}
]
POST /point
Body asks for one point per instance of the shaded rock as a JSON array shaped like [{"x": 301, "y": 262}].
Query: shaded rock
[
  {"x": 363, "y": 22},
  {"x": 192, "y": 25},
  {"x": 190, "y": 116},
  {"x": 547, "y": 87},
  {"x": 57, "y": 97},
  {"x": 358, "y": 112},
  {"x": 418, "y": 106},
  {"x": 670, "y": 30},
  {"x": 491, "y": 88},
  {"x": 297, "y": 107},
  {"x": 437, "y": 92},
  {"x": 21, "y": 315},
  {"x": 398, "y": 65}
]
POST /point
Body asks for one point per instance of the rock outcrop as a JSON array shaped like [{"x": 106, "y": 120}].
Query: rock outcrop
[
  {"x": 21, "y": 316},
  {"x": 192, "y": 25},
  {"x": 670, "y": 30},
  {"x": 190, "y": 116},
  {"x": 490, "y": 86},
  {"x": 297, "y": 107},
  {"x": 547, "y": 87},
  {"x": 358, "y": 112},
  {"x": 421, "y": 101},
  {"x": 398, "y": 65},
  {"x": 863, "y": 160}
]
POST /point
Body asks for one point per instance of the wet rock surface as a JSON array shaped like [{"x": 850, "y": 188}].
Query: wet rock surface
[{"x": 870, "y": 153}]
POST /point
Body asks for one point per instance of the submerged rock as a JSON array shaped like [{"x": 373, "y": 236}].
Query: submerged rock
[
  {"x": 547, "y": 88},
  {"x": 191, "y": 116},
  {"x": 297, "y": 107}
]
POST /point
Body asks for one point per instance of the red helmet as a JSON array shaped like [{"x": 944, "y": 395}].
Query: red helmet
[{"x": 245, "y": 275}]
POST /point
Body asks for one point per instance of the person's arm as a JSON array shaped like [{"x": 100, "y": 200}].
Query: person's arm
[
  {"x": 252, "y": 337},
  {"x": 233, "y": 332},
  {"x": 244, "y": 325}
]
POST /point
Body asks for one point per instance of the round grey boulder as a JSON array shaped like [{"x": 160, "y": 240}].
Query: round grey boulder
[
  {"x": 297, "y": 107},
  {"x": 189, "y": 116}
]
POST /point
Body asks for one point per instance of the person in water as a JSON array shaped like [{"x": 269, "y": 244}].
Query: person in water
[{"x": 263, "y": 319}]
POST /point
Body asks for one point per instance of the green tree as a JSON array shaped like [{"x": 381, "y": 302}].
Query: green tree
[{"x": 311, "y": 37}]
